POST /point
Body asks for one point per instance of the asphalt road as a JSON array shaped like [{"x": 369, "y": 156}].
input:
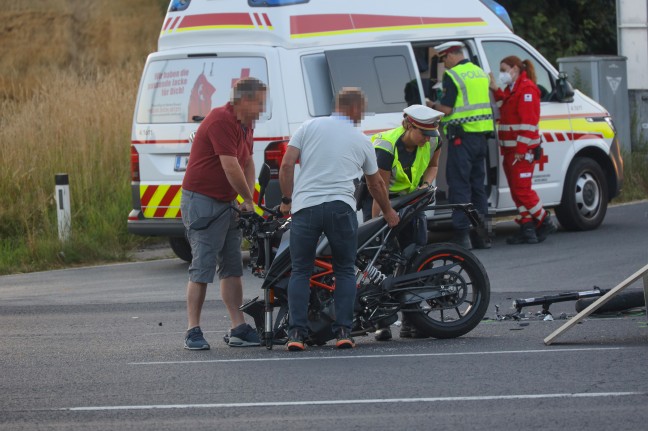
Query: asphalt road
[{"x": 101, "y": 349}]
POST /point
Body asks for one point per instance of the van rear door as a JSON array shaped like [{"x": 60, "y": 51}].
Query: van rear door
[{"x": 176, "y": 93}]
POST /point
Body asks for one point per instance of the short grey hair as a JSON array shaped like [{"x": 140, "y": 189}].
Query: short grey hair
[{"x": 247, "y": 88}]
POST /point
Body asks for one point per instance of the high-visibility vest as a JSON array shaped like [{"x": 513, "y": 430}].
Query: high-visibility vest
[
  {"x": 472, "y": 109},
  {"x": 399, "y": 181}
]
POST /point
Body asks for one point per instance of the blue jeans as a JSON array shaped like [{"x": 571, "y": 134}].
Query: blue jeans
[{"x": 338, "y": 221}]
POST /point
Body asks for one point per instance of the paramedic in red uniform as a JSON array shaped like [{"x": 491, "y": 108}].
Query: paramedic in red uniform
[
  {"x": 519, "y": 138},
  {"x": 220, "y": 168}
]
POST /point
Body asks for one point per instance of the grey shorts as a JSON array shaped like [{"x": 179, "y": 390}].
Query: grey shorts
[{"x": 218, "y": 246}]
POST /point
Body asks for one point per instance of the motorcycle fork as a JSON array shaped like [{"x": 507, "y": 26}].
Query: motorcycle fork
[{"x": 268, "y": 300}]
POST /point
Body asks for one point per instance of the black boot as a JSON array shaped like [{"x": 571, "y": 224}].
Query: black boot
[
  {"x": 548, "y": 226},
  {"x": 480, "y": 241},
  {"x": 526, "y": 235},
  {"x": 462, "y": 238}
]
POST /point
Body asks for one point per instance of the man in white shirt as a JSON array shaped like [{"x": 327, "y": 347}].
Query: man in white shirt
[{"x": 332, "y": 152}]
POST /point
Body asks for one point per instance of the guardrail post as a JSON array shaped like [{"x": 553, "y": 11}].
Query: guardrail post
[{"x": 63, "y": 213}]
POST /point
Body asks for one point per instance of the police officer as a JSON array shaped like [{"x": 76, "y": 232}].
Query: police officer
[
  {"x": 408, "y": 158},
  {"x": 467, "y": 124}
]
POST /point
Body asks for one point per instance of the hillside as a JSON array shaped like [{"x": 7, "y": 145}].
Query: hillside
[
  {"x": 39, "y": 37},
  {"x": 69, "y": 73}
]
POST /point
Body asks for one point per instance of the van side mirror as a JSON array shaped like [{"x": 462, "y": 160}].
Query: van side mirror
[
  {"x": 564, "y": 90},
  {"x": 264, "y": 179}
]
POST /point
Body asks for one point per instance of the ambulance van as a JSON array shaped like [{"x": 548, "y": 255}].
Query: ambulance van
[{"x": 305, "y": 51}]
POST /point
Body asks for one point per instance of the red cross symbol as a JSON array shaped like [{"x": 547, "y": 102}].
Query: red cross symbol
[
  {"x": 544, "y": 159},
  {"x": 245, "y": 73}
]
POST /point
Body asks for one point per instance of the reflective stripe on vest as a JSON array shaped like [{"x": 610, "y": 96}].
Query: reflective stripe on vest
[
  {"x": 472, "y": 108},
  {"x": 399, "y": 181}
]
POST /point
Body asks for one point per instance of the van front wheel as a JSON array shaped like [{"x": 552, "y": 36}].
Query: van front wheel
[
  {"x": 585, "y": 196},
  {"x": 181, "y": 248}
]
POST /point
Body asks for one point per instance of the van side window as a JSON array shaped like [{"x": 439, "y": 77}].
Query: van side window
[
  {"x": 184, "y": 90},
  {"x": 317, "y": 82},
  {"x": 496, "y": 51},
  {"x": 382, "y": 73}
]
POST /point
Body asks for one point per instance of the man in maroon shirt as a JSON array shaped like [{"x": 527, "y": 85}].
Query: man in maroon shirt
[{"x": 220, "y": 168}]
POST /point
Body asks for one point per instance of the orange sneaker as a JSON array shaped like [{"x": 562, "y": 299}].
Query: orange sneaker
[
  {"x": 344, "y": 340},
  {"x": 295, "y": 341}
]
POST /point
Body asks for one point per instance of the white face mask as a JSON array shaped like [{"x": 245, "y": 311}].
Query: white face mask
[{"x": 505, "y": 78}]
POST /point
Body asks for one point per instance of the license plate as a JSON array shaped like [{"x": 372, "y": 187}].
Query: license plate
[{"x": 181, "y": 163}]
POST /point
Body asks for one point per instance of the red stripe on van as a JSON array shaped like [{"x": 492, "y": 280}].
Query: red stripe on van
[
  {"x": 163, "y": 141},
  {"x": 166, "y": 24},
  {"x": 186, "y": 141},
  {"x": 304, "y": 24},
  {"x": 267, "y": 20},
  {"x": 146, "y": 197},
  {"x": 163, "y": 206},
  {"x": 258, "y": 20},
  {"x": 210, "y": 19}
]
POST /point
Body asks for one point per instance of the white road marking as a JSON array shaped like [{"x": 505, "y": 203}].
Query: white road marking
[
  {"x": 346, "y": 402},
  {"x": 295, "y": 357}
]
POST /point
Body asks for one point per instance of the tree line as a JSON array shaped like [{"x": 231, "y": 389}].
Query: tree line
[{"x": 565, "y": 28}]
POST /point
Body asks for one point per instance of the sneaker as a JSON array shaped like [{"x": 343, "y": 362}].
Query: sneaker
[
  {"x": 244, "y": 336},
  {"x": 295, "y": 341},
  {"x": 383, "y": 334},
  {"x": 194, "y": 340},
  {"x": 344, "y": 340},
  {"x": 546, "y": 227}
]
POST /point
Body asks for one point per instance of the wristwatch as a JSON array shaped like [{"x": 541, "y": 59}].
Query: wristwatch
[{"x": 286, "y": 200}]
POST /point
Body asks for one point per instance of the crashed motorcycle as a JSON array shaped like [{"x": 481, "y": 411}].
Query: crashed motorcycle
[{"x": 443, "y": 288}]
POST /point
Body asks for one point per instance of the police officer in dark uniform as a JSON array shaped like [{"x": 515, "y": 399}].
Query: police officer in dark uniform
[{"x": 467, "y": 125}]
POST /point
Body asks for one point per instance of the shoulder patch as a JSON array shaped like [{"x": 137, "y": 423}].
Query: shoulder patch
[{"x": 528, "y": 97}]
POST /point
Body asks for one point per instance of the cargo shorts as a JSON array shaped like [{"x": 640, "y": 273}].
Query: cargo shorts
[{"x": 218, "y": 246}]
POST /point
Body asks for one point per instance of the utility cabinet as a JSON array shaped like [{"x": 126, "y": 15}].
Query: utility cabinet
[{"x": 604, "y": 79}]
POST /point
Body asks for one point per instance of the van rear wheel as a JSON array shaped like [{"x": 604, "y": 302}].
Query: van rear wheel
[
  {"x": 181, "y": 247},
  {"x": 585, "y": 196}
]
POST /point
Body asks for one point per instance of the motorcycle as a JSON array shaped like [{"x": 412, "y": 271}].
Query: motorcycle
[{"x": 443, "y": 288}]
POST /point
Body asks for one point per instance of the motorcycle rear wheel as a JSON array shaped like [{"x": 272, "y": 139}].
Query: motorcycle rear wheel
[{"x": 459, "y": 312}]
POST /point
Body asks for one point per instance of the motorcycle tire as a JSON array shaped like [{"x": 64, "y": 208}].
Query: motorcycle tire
[
  {"x": 456, "y": 314},
  {"x": 621, "y": 302}
]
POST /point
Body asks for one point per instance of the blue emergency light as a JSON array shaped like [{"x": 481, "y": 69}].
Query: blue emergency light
[{"x": 500, "y": 11}]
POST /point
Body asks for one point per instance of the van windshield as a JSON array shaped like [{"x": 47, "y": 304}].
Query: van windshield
[{"x": 185, "y": 90}]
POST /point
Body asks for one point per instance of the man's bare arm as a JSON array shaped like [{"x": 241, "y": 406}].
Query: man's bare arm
[
  {"x": 287, "y": 175},
  {"x": 237, "y": 180},
  {"x": 378, "y": 190}
]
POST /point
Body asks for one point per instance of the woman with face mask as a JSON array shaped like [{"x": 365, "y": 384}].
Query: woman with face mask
[{"x": 520, "y": 140}]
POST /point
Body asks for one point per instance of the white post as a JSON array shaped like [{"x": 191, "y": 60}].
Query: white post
[{"x": 62, "y": 194}]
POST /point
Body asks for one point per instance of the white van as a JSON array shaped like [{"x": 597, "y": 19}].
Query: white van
[{"x": 305, "y": 51}]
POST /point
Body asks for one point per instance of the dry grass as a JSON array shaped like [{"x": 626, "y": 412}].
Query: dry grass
[{"x": 69, "y": 74}]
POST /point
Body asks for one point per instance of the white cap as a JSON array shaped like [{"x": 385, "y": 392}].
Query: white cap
[
  {"x": 424, "y": 118},
  {"x": 447, "y": 47}
]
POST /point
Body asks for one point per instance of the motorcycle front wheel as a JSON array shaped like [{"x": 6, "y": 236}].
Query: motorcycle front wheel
[{"x": 465, "y": 287}]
